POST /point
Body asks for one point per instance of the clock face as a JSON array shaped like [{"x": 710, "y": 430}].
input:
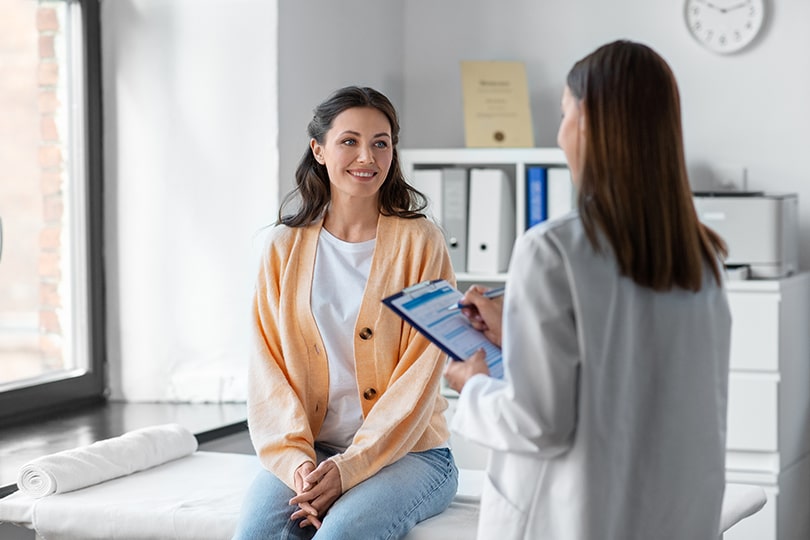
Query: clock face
[{"x": 724, "y": 26}]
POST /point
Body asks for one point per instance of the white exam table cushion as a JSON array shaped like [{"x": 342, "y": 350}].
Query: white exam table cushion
[
  {"x": 739, "y": 502},
  {"x": 197, "y": 497}
]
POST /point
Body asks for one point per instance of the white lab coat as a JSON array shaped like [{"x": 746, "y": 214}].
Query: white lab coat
[{"x": 610, "y": 421}]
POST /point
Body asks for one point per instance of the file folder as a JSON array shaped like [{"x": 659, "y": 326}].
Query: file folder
[
  {"x": 455, "y": 184},
  {"x": 560, "y": 192},
  {"x": 429, "y": 183},
  {"x": 491, "y": 221},
  {"x": 536, "y": 195}
]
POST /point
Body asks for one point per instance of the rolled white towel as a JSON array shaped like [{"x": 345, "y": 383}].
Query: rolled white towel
[{"x": 104, "y": 460}]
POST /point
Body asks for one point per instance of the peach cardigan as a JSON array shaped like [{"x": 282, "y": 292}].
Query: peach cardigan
[{"x": 398, "y": 370}]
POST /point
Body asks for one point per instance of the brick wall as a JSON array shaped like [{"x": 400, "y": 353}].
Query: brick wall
[
  {"x": 32, "y": 184},
  {"x": 52, "y": 170}
]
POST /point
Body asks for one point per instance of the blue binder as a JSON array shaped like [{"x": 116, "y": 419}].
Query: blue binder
[{"x": 536, "y": 195}]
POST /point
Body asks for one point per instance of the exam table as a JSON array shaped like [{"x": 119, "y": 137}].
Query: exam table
[{"x": 198, "y": 497}]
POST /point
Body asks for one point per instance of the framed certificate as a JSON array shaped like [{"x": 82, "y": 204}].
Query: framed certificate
[{"x": 496, "y": 105}]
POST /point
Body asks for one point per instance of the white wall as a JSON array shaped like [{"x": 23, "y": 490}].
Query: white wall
[
  {"x": 325, "y": 45},
  {"x": 751, "y": 109},
  {"x": 191, "y": 179},
  {"x": 193, "y": 156},
  {"x": 746, "y": 110}
]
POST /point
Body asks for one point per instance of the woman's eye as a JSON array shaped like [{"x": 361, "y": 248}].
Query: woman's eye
[
  {"x": 349, "y": 142},
  {"x": 381, "y": 144}
]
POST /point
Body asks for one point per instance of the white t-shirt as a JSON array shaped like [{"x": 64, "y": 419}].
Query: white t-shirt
[{"x": 338, "y": 283}]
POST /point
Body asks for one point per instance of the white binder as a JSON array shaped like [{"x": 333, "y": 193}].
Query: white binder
[
  {"x": 560, "y": 192},
  {"x": 429, "y": 183},
  {"x": 455, "y": 184},
  {"x": 491, "y": 223}
]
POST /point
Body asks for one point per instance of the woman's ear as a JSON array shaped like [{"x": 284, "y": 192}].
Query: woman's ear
[{"x": 317, "y": 151}]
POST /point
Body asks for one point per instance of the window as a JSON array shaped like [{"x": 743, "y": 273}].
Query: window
[{"x": 51, "y": 301}]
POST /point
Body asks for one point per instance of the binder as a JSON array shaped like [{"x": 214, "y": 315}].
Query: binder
[
  {"x": 560, "y": 192},
  {"x": 491, "y": 221},
  {"x": 455, "y": 187},
  {"x": 536, "y": 195},
  {"x": 429, "y": 183}
]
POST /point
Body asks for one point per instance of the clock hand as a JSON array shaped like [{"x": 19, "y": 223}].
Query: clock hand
[
  {"x": 738, "y": 6},
  {"x": 712, "y": 6}
]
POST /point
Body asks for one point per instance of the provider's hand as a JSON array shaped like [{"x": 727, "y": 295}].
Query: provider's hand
[
  {"x": 325, "y": 488},
  {"x": 458, "y": 373},
  {"x": 485, "y": 314}
]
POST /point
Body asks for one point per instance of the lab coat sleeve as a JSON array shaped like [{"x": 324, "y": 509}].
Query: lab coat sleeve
[{"x": 534, "y": 408}]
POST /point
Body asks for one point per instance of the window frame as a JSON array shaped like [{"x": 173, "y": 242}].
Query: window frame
[{"x": 23, "y": 404}]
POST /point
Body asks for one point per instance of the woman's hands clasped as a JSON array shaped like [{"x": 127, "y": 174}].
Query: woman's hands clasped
[
  {"x": 485, "y": 314},
  {"x": 317, "y": 490}
]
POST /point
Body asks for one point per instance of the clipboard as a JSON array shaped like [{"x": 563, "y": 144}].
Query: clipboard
[{"x": 424, "y": 306}]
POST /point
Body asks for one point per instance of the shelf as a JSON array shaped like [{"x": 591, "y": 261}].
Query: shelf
[
  {"x": 480, "y": 156},
  {"x": 467, "y": 277},
  {"x": 515, "y": 164}
]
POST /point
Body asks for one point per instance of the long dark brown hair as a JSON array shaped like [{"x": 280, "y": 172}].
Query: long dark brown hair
[
  {"x": 396, "y": 197},
  {"x": 634, "y": 186}
]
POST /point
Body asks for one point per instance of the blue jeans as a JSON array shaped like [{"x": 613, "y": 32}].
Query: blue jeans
[{"x": 385, "y": 506}]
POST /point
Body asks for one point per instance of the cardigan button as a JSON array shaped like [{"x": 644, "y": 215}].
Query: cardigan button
[
  {"x": 369, "y": 394},
  {"x": 366, "y": 333}
]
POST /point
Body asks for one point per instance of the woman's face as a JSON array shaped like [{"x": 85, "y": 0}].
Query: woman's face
[
  {"x": 571, "y": 135},
  {"x": 357, "y": 152}
]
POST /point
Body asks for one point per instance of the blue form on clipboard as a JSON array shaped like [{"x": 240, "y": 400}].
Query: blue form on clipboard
[{"x": 424, "y": 306}]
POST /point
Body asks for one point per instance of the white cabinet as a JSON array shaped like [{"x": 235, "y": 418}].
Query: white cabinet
[
  {"x": 768, "y": 439},
  {"x": 513, "y": 161}
]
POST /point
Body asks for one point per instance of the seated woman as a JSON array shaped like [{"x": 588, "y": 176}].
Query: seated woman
[{"x": 344, "y": 408}]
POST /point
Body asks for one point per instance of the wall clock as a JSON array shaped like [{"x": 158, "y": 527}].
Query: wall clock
[{"x": 724, "y": 26}]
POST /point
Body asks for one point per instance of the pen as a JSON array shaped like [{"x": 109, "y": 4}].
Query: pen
[{"x": 492, "y": 293}]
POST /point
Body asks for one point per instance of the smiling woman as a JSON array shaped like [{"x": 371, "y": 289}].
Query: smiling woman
[
  {"x": 343, "y": 400},
  {"x": 51, "y": 344}
]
